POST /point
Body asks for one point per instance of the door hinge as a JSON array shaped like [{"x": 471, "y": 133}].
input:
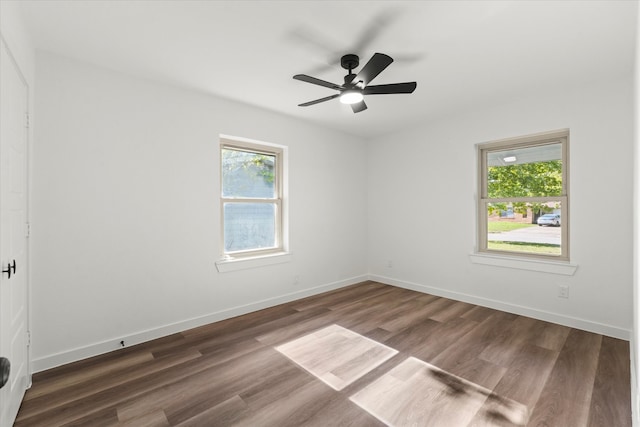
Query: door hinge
[
  {"x": 27, "y": 231},
  {"x": 28, "y": 338},
  {"x": 26, "y": 120}
]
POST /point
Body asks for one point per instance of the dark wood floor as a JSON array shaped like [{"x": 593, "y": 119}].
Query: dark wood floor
[{"x": 229, "y": 373}]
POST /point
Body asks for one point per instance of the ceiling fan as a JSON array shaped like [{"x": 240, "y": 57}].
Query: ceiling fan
[{"x": 356, "y": 86}]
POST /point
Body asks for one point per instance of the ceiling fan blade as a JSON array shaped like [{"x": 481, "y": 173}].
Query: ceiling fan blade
[
  {"x": 358, "y": 106},
  {"x": 377, "y": 63},
  {"x": 390, "y": 88},
  {"x": 313, "y": 80},
  {"x": 317, "y": 101}
]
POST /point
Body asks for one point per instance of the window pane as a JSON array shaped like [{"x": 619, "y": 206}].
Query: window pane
[
  {"x": 246, "y": 174},
  {"x": 249, "y": 226},
  {"x": 533, "y": 228},
  {"x": 525, "y": 172}
]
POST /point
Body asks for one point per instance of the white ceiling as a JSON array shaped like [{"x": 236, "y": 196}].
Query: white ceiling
[{"x": 463, "y": 54}]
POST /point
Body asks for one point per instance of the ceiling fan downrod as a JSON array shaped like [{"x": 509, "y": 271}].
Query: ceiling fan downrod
[{"x": 349, "y": 62}]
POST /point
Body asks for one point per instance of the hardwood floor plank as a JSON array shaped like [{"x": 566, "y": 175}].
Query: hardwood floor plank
[
  {"x": 416, "y": 393},
  {"x": 433, "y": 307},
  {"x": 414, "y": 312},
  {"x": 106, "y": 360},
  {"x": 264, "y": 328},
  {"x": 344, "y": 413},
  {"x": 336, "y": 355},
  {"x": 104, "y": 418},
  {"x": 100, "y": 392},
  {"x": 229, "y": 373},
  {"x": 397, "y": 312},
  {"x": 413, "y": 338},
  {"x": 500, "y": 412},
  {"x": 566, "y": 397},
  {"x": 378, "y": 334},
  {"x": 152, "y": 419},
  {"x": 296, "y": 329},
  {"x": 270, "y": 391},
  {"x": 478, "y": 313},
  {"x": 340, "y": 297},
  {"x": 612, "y": 384},
  {"x": 356, "y": 317},
  {"x": 443, "y": 336},
  {"x": 477, "y": 339},
  {"x": 552, "y": 336},
  {"x": 293, "y": 411},
  {"x": 76, "y": 377},
  {"x": 480, "y": 372},
  {"x": 457, "y": 309},
  {"x": 222, "y": 414},
  {"x": 461, "y": 357},
  {"x": 505, "y": 345},
  {"x": 237, "y": 324},
  {"x": 526, "y": 377},
  {"x": 214, "y": 385},
  {"x": 230, "y": 349}
]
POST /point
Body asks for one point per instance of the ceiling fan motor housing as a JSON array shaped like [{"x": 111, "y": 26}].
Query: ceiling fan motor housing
[{"x": 350, "y": 62}]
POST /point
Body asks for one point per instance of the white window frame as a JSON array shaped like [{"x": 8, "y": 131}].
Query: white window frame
[
  {"x": 560, "y": 136},
  {"x": 280, "y": 248}
]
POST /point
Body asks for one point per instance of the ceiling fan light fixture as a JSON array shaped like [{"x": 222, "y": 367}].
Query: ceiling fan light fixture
[
  {"x": 357, "y": 85},
  {"x": 351, "y": 97}
]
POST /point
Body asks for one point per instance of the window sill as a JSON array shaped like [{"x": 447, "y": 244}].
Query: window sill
[
  {"x": 235, "y": 264},
  {"x": 562, "y": 268}
]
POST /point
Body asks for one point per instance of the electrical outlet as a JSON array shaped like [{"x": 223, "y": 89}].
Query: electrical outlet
[
  {"x": 389, "y": 264},
  {"x": 563, "y": 291}
]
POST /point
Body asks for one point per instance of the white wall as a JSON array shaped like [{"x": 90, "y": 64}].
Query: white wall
[
  {"x": 126, "y": 215},
  {"x": 15, "y": 34},
  {"x": 422, "y": 189}
]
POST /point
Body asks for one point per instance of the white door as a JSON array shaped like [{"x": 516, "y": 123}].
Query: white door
[{"x": 13, "y": 237}]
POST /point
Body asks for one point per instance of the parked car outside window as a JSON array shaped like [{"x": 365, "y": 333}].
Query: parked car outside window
[{"x": 549, "y": 219}]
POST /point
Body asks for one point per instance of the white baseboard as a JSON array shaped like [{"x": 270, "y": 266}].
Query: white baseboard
[
  {"x": 573, "y": 322},
  {"x": 106, "y": 346}
]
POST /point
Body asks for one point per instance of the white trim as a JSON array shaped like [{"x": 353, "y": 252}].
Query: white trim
[
  {"x": 241, "y": 142},
  {"x": 531, "y": 264},
  {"x": 53, "y": 360},
  {"x": 534, "y": 139},
  {"x": 572, "y": 322},
  {"x": 234, "y": 264}
]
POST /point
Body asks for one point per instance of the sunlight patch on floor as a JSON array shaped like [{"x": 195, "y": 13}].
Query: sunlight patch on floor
[
  {"x": 337, "y": 355},
  {"x": 417, "y": 393}
]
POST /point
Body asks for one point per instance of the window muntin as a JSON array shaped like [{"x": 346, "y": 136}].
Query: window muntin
[
  {"x": 522, "y": 179},
  {"x": 251, "y": 198}
]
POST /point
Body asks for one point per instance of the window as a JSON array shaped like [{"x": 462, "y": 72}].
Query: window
[
  {"x": 523, "y": 207},
  {"x": 251, "y": 198}
]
